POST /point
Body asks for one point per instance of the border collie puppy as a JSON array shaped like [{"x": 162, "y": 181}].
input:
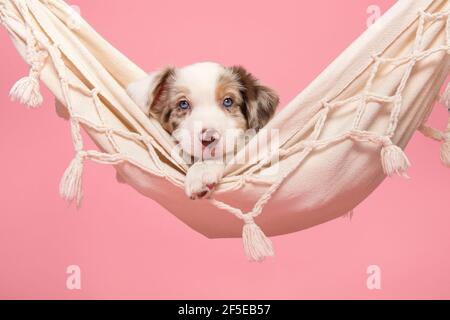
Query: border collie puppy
[{"x": 208, "y": 109}]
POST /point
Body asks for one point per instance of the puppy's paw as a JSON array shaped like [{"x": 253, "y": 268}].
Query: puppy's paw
[{"x": 201, "y": 179}]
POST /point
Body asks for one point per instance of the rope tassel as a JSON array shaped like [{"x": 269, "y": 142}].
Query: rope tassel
[
  {"x": 27, "y": 89},
  {"x": 70, "y": 187},
  {"x": 256, "y": 245},
  {"x": 394, "y": 160},
  {"x": 27, "y": 92}
]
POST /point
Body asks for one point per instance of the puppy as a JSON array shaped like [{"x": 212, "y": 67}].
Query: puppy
[{"x": 208, "y": 109}]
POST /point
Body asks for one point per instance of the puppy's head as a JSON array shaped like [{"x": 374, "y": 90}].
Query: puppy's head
[{"x": 205, "y": 106}]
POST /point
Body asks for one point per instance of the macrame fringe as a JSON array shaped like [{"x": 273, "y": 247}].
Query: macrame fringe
[
  {"x": 27, "y": 92},
  {"x": 256, "y": 245},
  {"x": 394, "y": 160},
  {"x": 27, "y": 89},
  {"x": 70, "y": 187}
]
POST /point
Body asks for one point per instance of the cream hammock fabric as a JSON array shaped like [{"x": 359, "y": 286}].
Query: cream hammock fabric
[{"x": 338, "y": 139}]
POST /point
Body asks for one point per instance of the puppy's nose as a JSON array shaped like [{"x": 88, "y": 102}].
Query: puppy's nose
[{"x": 208, "y": 136}]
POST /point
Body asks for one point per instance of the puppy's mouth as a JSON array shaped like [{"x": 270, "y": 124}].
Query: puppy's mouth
[
  {"x": 210, "y": 143},
  {"x": 210, "y": 139},
  {"x": 209, "y": 146},
  {"x": 206, "y": 144}
]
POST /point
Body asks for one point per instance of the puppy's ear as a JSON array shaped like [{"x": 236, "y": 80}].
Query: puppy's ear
[
  {"x": 260, "y": 101},
  {"x": 146, "y": 92}
]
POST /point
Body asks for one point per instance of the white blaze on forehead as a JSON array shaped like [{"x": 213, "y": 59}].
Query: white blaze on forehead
[{"x": 201, "y": 79}]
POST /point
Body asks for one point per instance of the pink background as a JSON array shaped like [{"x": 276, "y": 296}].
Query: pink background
[{"x": 127, "y": 246}]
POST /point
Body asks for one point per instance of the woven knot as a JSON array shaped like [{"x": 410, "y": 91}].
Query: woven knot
[
  {"x": 386, "y": 141},
  {"x": 35, "y": 73},
  {"x": 325, "y": 104},
  {"x": 37, "y": 58},
  {"x": 424, "y": 14},
  {"x": 248, "y": 218},
  {"x": 81, "y": 155},
  {"x": 245, "y": 178},
  {"x": 375, "y": 57},
  {"x": 95, "y": 92}
]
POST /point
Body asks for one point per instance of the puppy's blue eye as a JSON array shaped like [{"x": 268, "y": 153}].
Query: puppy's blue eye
[
  {"x": 184, "y": 105},
  {"x": 227, "y": 103}
]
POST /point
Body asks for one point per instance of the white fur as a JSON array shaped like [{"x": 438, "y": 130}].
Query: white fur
[
  {"x": 202, "y": 178},
  {"x": 201, "y": 79},
  {"x": 140, "y": 90}
]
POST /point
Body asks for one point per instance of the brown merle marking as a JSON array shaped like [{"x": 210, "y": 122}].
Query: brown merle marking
[
  {"x": 260, "y": 101},
  {"x": 163, "y": 105}
]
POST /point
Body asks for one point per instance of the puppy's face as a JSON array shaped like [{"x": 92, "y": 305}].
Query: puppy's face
[{"x": 205, "y": 106}]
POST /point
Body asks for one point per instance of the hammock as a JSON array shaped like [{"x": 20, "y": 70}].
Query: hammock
[{"x": 338, "y": 139}]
